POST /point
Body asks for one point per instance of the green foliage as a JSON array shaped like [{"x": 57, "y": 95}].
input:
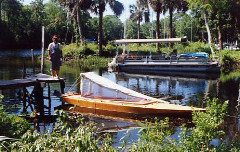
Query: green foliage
[
  {"x": 207, "y": 127},
  {"x": 112, "y": 27},
  {"x": 229, "y": 76},
  {"x": 230, "y": 60},
  {"x": 157, "y": 136},
  {"x": 73, "y": 51},
  {"x": 65, "y": 137},
  {"x": 195, "y": 47},
  {"x": 11, "y": 125},
  {"x": 154, "y": 137},
  {"x": 144, "y": 49},
  {"x": 131, "y": 30}
]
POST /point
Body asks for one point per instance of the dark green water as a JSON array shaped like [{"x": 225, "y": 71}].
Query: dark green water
[{"x": 179, "y": 88}]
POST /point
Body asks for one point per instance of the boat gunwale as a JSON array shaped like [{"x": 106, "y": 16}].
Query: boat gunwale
[{"x": 133, "y": 105}]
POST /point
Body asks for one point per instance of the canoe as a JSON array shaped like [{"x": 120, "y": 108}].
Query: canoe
[{"x": 101, "y": 95}]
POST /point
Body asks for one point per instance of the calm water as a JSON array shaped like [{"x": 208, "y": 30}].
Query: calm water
[{"x": 178, "y": 88}]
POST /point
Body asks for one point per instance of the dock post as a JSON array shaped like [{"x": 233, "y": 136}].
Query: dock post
[
  {"x": 39, "y": 98},
  {"x": 24, "y": 100},
  {"x": 62, "y": 86},
  {"x": 24, "y": 70},
  {"x": 49, "y": 100}
]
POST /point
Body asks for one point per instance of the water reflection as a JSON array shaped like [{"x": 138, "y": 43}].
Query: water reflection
[{"x": 175, "y": 89}]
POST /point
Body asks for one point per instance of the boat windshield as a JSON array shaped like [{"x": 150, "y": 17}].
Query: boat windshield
[{"x": 94, "y": 86}]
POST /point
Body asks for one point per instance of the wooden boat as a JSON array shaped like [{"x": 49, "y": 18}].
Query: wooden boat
[
  {"x": 101, "y": 95},
  {"x": 187, "y": 62}
]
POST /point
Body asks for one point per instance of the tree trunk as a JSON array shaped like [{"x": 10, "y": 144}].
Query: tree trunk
[
  {"x": 79, "y": 29},
  {"x": 76, "y": 31},
  {"x": 170, "y": 22},
  {"x": 66, "y": 35},
  {"x": 170, "y": 25},
  {"x": 158, "y": 29},
  {"x": 139, "y": 27},
  {"x": 220, "y": 34},
  {"x": 209, "y": 34},
  {"x": 100, "y": 32},
  {"x": 1, "y": 10}
]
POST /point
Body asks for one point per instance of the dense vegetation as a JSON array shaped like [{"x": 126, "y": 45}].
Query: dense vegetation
[
  {"x": 21, "y": 25},
  {"x": 73, "y": 134}
]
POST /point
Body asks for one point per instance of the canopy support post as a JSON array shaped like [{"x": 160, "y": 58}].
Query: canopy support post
[{"x": 127, "y": 50}]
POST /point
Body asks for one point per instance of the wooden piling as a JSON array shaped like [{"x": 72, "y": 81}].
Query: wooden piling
[
  {"x": 33, "y": 64},
  {"x": 24, "y": 70},
  {"x": 49, "y": 100},
  {"x": 62, "y": 86},
  {"x": 39, "y": 98},
  {"x": 24, "y": 99}
]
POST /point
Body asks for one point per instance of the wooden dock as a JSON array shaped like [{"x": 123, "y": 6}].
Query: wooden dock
[{"x": 35, "y": 99}]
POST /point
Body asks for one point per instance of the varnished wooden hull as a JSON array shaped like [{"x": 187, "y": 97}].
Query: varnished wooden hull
[{"x": 108, "y": 106}]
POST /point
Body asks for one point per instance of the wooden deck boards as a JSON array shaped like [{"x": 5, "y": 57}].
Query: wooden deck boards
[{"x": 28, "y": 81}]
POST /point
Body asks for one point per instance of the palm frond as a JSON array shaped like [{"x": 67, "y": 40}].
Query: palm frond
[{"x": 117, "y": 7}]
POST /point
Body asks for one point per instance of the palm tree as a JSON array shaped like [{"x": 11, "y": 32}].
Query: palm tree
[
  {"x": 234, "y": 11},
  {"x": 157, "y": 6},
  {"x": 204, "y": 6},
  {"x": 98, "y": 7},
  {"x": 74, "y": 9},
  {"x": 171, "y": 6},
  {"x": 138, "y": 11}
]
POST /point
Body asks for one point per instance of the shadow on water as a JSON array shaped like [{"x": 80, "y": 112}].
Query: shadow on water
[{"x": 177, "y": 88}]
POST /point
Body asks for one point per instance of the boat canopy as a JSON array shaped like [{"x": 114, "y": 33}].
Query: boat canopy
[
  {"x": 170, "y": 40},
  {"x": 95, "y": 86}
]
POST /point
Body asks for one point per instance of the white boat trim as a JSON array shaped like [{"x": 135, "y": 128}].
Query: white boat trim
[{"x": 170, "y": 40}]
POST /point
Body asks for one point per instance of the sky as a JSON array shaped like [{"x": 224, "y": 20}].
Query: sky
[{"x": 108, "y": 11}]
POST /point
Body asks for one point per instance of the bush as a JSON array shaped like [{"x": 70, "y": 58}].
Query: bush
[
  {"x": 72, "y": 51},
  {"x": 11, "y": 125},
  {"x": 230, "y": 60},
  {"x": 66, "y": 136},
  {"x": 157, "y": 136}
]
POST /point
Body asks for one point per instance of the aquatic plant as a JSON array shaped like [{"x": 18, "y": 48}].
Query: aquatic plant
[
  {"x": 207, "y": 127},
  {"x": 11, "y": 125},
  {"x": 67, "y": 135}
]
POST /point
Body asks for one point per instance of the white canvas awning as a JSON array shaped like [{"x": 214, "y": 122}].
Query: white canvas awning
[
  {"x": 109, "y": 84},
  {"x": 170, "y": 40}
]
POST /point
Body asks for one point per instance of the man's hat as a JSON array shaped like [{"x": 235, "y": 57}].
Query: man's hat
[{"x": 55, "y": 36}]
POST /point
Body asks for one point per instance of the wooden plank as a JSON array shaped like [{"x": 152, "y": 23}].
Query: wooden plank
[
  {"x": 28, "y": 81},
  {"x": 43, "y": 78},
  {"x": 16, "y": 83}
]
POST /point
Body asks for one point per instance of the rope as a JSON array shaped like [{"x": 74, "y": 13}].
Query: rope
[{"x": 74, "y": 84}]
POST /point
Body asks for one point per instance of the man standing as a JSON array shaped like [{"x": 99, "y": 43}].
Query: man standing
[{"x": 55, "y": 55}]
